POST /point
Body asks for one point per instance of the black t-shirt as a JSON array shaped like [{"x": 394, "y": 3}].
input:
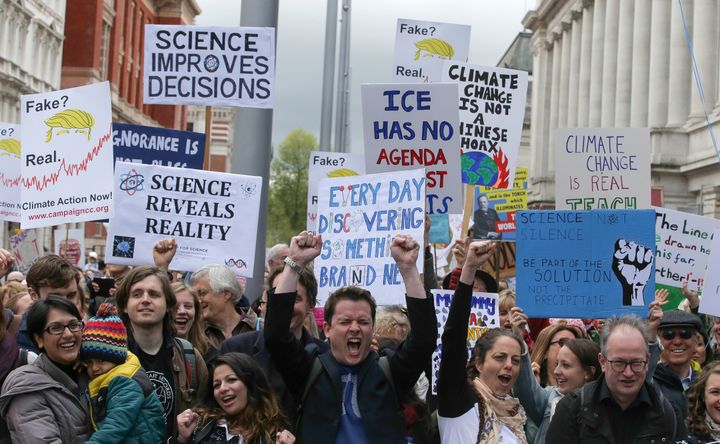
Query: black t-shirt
[{"x": 159, "y": 369}]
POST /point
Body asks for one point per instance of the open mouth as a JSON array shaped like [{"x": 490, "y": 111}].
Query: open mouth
[
  {"x": 560, "y": 381},
  {"x": 353, "y": 345},
  {"x": 181, "y": 321},
  {"x": 67, "y": 345},
  {"x": 505, "y": 379},
  {"x": 227, "y": 399}
]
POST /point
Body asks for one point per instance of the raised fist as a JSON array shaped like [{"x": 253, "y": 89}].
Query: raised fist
[
  {"x": 404, "y": 251},
  {"x": 632, "y": 264}
]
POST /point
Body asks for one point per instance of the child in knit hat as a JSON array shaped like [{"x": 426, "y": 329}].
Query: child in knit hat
[{"x": 123, "y": 404}]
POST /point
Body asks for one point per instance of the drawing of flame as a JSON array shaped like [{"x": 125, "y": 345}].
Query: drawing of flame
[{"x": 501, "y": 161}]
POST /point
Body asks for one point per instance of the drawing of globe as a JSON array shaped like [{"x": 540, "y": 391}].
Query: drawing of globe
[{"x": 478, "y": 169}]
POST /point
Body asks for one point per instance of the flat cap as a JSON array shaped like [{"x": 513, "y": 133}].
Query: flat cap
[{"x": 680, "y": 318}]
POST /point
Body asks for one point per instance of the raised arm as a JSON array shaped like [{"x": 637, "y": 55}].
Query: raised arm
[
  {"x": 286, "y": 350},
  {"x": 416, "y": 351},
  {"x": 455, "y": 397}
]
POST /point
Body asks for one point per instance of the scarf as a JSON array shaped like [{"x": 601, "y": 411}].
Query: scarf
[
  {"x": 499, "y": 412},
  {"x": 713, "y": 427}
]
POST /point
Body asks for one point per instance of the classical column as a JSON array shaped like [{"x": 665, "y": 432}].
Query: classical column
[
  {"x": 585, "y": 61},
  {"x": 564, "y": 76},
  {"x": 539, "y": 111},
  {"x": 557, "y": 50},
  {"x": 640, "y": 64},
  {"x": 610, "y": 64},
  {"x": 705, "y": 41},
  {"x": 659, "y": 64},
  {"x": 574, "y": 82},
  {"x": 596, "y": 64},
  {"x": 624, "y": 65},
  {"x": 679, "y": 79}
]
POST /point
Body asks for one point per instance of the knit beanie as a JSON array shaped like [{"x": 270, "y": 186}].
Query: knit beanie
[{"x": 104, "y": 336}]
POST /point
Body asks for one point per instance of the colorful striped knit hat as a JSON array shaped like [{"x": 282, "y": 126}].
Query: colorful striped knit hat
[{"x": 104, "y": 336}]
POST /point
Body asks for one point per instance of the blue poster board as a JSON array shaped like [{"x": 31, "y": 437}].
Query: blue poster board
[
  {"x": 158, "y": 146},
  {"x": 439, "y": 229},
  {"x": 585, "y": 264}
]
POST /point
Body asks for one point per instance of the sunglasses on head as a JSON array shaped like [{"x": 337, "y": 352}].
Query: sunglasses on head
[{"x": 669, "y": 335}]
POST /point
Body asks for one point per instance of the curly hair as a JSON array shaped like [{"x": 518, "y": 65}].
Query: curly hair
[
  {"x": 261, "y": 418},
  {"x": 696, "y": 402}
]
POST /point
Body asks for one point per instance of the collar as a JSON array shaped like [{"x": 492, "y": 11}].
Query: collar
[
  {"x": 126, "y": 369},
  {"x": 688, "y": 379},
  {"x": 643, "y": 397},
  {"x": 168, "y": 343}
]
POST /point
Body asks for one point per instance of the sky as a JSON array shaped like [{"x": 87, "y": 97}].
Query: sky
[{"x": 301, "y": 45}]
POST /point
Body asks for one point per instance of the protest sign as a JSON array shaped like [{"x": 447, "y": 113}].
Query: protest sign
[
  {"x": 439, "y": 229},
  {"x": 213, "y": 66},
  {"x": 325, "y": 164},
  {"x": 358, "y": 218},
  {"x": 683, "y": 249},
  {"x": 10, "y": 172},
  {"x": 492, "y": 108},
  {"x": 502, "y": 263},
  {"x": 494, "y": 209},
  {"x": 585, "y": 264},
  {"x": 710, "y": 301},
  {"x": 212, "y": 216},
  {"x": 26, "y": 246},
  {"x": 415, "y": 125},
  {"x": 484, "y": 315},
  {"x": 158, "y": 146},
  {"x": 602, "y": 168},
  {"x": 422, "y": 47},
  {"x": 67, "y": 156},
  {"x": 70, "y": 245}
]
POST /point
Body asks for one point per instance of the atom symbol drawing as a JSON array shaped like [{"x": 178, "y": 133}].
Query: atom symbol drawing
[
  {"x": 613, "y": 219},
  {"x": 132, "y": 182},
  {"x": 124, "y": 246}
]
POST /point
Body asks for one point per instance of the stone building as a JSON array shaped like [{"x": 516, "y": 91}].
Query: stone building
[{"x": 615, "y": 64}]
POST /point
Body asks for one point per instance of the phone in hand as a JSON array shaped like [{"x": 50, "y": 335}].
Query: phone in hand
[{"x": 105, "y": 284}]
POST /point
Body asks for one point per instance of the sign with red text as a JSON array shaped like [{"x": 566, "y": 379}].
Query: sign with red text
[
  {"x": 492, "y": 109},
  {"x": 422, "y": 47},
  {"x": 494, "y": 209},
  {"x": 212, "y": 216},
  {"x": 67, "y": 156},
  {"x": 10, "y": 172},
  {"x": 212, "y": 66},
  {"x": 70, "y": 244},
  {"x": 358, "y": 218},
  {"x": 411, "y": 126},
  {"x": 683, "y": 249},
  {"x": 602, "y": 168},
  {"x": 324, "y": 164}
]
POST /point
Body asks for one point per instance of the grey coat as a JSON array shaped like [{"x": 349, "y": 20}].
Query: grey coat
[{"x": 40, "y": 403}]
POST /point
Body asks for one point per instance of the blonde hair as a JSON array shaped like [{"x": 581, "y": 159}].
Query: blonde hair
[
  {"x": 435, "y": 46},
  {"x": 10, "y": 147},
  {"x": 70, "y": 118},
  {"x": 391, "y": 320},
  {"x": 506, "y": 300}
]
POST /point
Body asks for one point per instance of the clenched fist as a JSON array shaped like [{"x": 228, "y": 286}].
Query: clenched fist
[{"x": 632, "y": 264}]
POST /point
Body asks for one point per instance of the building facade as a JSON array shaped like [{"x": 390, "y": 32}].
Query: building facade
[
  {"x": 625, "y": 63},
  {"x": 104, "y": 41},
  {"x": 31, "y": 44},
  {"x": 220, "y": 139}
]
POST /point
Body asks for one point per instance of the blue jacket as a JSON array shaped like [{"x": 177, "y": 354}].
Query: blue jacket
[
  {"x": 124, "y": 407},
  {"x": 537, "y": 401}
]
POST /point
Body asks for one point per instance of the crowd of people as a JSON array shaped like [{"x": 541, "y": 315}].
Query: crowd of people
[{"x": 114, "y": 354}]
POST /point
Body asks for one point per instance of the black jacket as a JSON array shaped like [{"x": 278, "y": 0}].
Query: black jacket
[
  {"x": 379, "y": 405},
  {"x": 253, "y": 344},
  {"x": 667, "y": 381},
  {"x": 581, "y": 418}
]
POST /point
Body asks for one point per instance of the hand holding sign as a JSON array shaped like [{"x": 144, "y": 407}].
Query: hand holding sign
[
  {"x": 6, "y": 261},
  {"x": 632, "y": 264},
  {"x": 305, "y": 247}
]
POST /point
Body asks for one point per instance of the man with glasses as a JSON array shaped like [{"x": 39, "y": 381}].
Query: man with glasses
[
  {"x": 620, "y": 407},
  {"x": 678, "y": 333}
]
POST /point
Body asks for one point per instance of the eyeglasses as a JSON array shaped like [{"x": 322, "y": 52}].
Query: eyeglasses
[
  {"x": 58, "y": 329},
  {"x": 669, "y": 335},
  {"x": 620, "y": 366},
  {"x": 560, "y": 342}
]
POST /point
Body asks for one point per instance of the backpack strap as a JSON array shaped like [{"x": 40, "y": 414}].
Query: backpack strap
[
  {"x": 384, "y": 363},
  {"x": 22, "y": 358},
  {"x": 190, "y": 361}
]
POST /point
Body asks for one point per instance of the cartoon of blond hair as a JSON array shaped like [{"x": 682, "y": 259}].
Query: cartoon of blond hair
[
  {"x": 70, "y": 119},
  {"x": 441, "y": 48},
  {"x": 10, "y": 147}
]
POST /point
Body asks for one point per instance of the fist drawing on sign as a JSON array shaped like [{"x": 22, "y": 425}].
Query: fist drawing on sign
[{"x": 632, "y": 264}]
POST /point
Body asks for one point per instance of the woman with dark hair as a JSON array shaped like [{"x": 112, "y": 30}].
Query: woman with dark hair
[
  {"x": 477, "y": 406},
  {"x": 547, "y": 346},
  {"x": 243, "y": 408},
  {"x": 44, "y": 401},
  {"x": 703, "y": 400},
  {"x": 577, "y": 363}
]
